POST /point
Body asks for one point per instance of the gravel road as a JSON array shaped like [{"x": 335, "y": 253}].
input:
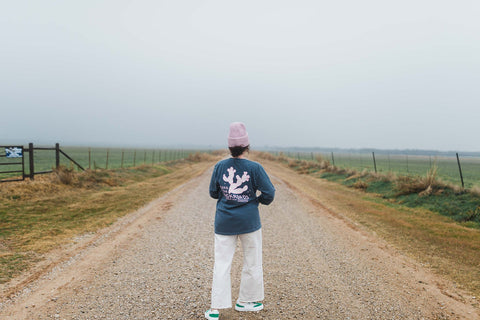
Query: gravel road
[{"x": 157, "y": 264}]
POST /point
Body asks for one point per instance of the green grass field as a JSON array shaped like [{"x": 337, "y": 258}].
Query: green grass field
[
  {"x": 404, "y": 164},
  {"x": 91, "y": 158}
]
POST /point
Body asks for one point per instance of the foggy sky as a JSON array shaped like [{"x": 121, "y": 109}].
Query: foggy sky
[{"x": 345, "y": 74}]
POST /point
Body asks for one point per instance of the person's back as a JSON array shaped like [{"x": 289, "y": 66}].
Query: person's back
[{"x": 235, "y": 182}]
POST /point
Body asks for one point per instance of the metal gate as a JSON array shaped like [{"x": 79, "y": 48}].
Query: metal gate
[{"x": 12, "y": 163}]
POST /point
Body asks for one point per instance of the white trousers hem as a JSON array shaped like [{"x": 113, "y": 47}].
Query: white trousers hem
[{"x": 251, "y": 284}]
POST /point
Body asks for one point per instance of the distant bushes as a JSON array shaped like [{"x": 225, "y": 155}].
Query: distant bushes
[{"x": 200, "y": 156}]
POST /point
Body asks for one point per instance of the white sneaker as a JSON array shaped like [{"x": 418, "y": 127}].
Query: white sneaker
[
  {"x": 212, "y": 315},
  {"x": 248, "y": 306}
]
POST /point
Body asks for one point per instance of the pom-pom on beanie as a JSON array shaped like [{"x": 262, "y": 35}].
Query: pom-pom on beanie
[{"x": 238, "y": 136}]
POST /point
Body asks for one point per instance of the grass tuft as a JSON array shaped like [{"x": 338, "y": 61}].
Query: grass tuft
[
  {"x": 417, "y": 184},
  {"x": 64, "y": 175},
  {"x": 200, "y": 156},
  {"x": 362, "y": 185}
]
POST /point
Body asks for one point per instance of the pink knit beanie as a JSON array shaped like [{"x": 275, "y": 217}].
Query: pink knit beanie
[{"x": 238, "y": 136}]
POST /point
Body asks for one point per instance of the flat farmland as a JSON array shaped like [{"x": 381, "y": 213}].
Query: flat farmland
[{"x": 448, "y": 170}]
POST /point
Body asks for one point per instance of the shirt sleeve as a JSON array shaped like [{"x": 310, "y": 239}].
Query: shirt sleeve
[
  {"x": 265, "y": 186},
  {"x": 214, "y": 186}
]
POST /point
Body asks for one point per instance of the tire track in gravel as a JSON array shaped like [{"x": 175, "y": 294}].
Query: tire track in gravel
[{"x": 160, "y": 267}]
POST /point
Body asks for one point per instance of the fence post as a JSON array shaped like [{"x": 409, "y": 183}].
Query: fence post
[
  {"x": 89, "y": 158},
  {"x": 333, "y": 159},
  {"x": 407, "y": 163},
  {"x": 108, "y": 153},
  {"x": 123, "y": 153},
  {"x": 460, "y": 170},
  {"x": 134, "y": 157},
  {"x": 57, "y": 155},
  {"x": 31, "y": 162},
  {"x": 374, "y": 162},
  {"x": 145, "y": 157}
]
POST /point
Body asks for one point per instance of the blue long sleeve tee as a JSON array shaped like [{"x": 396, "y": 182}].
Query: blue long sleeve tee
[{"x": 235, "y": 183}]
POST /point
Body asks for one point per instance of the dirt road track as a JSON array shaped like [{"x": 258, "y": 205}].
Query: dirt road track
[{"x": 157, "y": 264}]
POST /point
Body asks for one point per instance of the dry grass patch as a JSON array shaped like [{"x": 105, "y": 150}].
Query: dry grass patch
[
  {"x": 201, "y": 156},
  {"x": 37, "y": 216},
  {"x": 422, "y": 185},
  {"x": 362, "y": 185}
]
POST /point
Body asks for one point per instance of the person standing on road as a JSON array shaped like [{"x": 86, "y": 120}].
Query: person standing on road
[{"x": 235, "y": 182}]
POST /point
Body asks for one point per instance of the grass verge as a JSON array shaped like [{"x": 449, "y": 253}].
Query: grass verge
[
  {"x": 38, "y": 216},
  {"x": 443, "y": 244}
]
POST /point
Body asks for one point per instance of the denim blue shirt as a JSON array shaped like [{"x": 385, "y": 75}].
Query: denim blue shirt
[{"x": 235, "y": 183}]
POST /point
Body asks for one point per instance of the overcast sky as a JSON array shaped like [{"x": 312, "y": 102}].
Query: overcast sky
[{"x": 346, "y": 74}]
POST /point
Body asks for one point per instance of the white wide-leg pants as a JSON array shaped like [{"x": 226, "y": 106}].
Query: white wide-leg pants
[{"x": 251, "y": 284}]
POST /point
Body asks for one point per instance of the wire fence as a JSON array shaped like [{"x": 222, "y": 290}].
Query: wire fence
[
  {"x": 45, "y": 159},
  {"x": 464, "y": 170},
  {"x": 114, "y": 158}
]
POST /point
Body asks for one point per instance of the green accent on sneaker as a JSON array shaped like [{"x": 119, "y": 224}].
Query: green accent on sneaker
[
  {"x": 239, "y": 305},
  {"x": 212, "y": 315},
  {"x": 257, "y": 304}
]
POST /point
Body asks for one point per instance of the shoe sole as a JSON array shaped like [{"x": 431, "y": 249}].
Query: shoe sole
[
  {"x": 246, "y": 310},
  {"x": 211, "y": 318}
]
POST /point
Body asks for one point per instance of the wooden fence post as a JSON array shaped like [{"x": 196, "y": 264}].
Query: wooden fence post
[
  {"x": 407, "y": 163},
  {"x": 374, "y": 162},
  {"x": 134, "y": 157},
  {"x": 460, "y": 170},
  {"x": 108, "y": 153},
  {"x": 333, "y": 159},
  {"x": 31, "y": 162},
  {"x": 89, "y": 158},
  {"x": 123, "y": 153},
  {"x": 57, "y": 155}
]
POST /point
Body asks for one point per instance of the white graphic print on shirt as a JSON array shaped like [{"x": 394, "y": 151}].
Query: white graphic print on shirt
[{"x": 234, "y": 191}]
